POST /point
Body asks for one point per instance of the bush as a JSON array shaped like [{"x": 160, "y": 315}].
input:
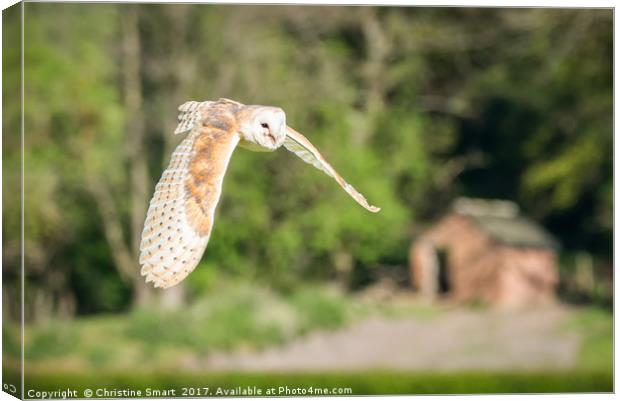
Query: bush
[
  {"x": 51, "y": 341},
  {"x": 239, "y": 315},
  {"x": 319, "y": 309}
]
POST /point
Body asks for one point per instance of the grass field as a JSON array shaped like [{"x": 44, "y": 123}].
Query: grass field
[
  {"x": 596, "y": 328},
  {"x": 148, "y": 349},
  {"x": 237, "y": 316}
]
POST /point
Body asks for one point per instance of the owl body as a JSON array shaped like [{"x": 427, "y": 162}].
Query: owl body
[{"x": 180, "y": 217}]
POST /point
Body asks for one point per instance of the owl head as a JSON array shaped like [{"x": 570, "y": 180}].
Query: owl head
[{"x": 262, "y": 128}]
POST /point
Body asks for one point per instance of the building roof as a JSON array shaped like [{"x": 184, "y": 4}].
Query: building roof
[{"x": 503, "y": 221}]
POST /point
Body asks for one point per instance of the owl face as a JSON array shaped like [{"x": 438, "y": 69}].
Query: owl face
[{"x": 263, "y": 128}]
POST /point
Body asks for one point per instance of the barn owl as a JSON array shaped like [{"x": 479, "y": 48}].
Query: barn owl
[{"x": 180, "y": 216}]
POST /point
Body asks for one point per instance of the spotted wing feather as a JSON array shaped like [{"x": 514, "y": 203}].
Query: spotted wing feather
[
  {"x": 301, "y": 146},
  {"x": 180, "y": 216}
]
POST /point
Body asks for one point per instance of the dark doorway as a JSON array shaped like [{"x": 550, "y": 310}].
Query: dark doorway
[{"x": 443, "y": 274}]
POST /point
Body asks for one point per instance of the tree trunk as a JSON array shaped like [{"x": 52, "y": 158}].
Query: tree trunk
[
  {"x": 374, "y": 70},
  {"x": 135, "y": 152}
]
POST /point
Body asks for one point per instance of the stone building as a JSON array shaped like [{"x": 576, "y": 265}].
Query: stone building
[{"x": 485, "y": 250}]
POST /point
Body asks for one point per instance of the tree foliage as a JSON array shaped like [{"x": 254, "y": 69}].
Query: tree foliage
[{"x": 414, "y": 106}]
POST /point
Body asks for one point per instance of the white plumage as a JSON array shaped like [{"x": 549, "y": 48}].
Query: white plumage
[{"x": 170, "y": 249}]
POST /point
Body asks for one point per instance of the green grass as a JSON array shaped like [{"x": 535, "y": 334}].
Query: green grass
[
  {"x": 111, "y": 350},
  {"x": 237, "y": 316},
  {"x": 364, "y": 383},
  {"x": 53, "y": 340},
  {"x": 11, "y": 339},
  {"x": 318, "y": 309},
  {"x": 595, "y": 326}
]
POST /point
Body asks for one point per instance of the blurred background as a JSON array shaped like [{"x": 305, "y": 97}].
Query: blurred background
[{"x": 479, "y": 132}]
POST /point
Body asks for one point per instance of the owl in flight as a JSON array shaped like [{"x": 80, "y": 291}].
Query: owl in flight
[{"x": 180, "y": 216}]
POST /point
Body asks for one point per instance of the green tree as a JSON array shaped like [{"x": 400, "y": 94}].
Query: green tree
[{"x": 414, "y": 106}]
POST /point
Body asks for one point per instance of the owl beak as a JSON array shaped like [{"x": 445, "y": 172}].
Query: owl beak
[{"x": 273, "y": 138}]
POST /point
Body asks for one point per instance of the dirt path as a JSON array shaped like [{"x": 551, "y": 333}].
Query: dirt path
[{"x": 453, "y": 340}]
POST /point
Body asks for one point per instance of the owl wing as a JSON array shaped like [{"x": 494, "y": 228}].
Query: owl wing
[
  {"x": 180, "y": 216},
  {"x": 301, "y": 146},
  {"x": 190, "y": 114}
]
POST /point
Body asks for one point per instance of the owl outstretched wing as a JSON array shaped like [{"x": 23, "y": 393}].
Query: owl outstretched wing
[
  {"x": 180, "y": 216},
  {"x": 301, "y": 146}
]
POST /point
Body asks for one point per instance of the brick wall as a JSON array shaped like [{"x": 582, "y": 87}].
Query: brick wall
[{"x": 479, "y": 267}]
